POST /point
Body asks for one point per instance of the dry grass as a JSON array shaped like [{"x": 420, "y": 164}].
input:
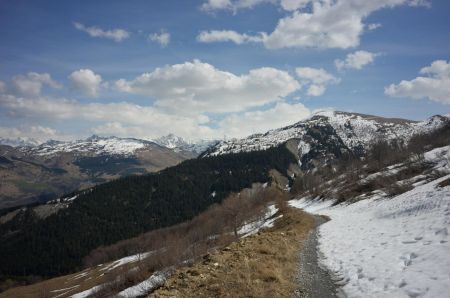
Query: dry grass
[
  {"x": 262, "y": 265},
  {"x": 64, "y": 286}
]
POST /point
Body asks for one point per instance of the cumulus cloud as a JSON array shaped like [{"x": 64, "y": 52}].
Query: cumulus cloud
[
  {"x": 151, "y": 120},
  {"x": 198, "y": 87},
  {"x": 233, "y": 5},
  {"x": 282, "y": 114},
  {"x": 292, "y": 5},
  {"x": 317, "y": 79},
  {"x": 86, "y": 81},
  {"x": 435, "y": 85},
  {"x": 329, "y": 24},
  {"x": 317, "y": 23},
  {"x": 356, "y": 60},
  {"x": 31, "y": 84},
  {"x": 227, "y": 35},
  {"x": 163, "y": 38},
  {"x": 37, "y": 133},
  {"x": 117, "y": 35},
  {"x": 131, "y": 120}
]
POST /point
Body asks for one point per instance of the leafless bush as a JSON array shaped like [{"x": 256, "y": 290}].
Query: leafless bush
[{"x": 216, "y": 227}]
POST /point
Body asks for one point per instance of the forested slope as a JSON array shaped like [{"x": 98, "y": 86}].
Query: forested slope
[{"x": 127, "y": 207}]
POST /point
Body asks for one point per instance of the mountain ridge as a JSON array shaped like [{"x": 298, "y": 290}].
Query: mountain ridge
[{"x": 331, "y": 133}]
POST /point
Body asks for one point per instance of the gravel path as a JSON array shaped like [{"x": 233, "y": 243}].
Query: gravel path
[{"x": 314, "y": 281}]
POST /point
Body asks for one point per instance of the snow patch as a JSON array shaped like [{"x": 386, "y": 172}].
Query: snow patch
[
  {"x": 396, "y": 247},
  {"x": 127, "y": 260},
  {"x": 267, "y": 221},
  {"x": 86, "y": 293},
  {"x": 157, "y": 279}
]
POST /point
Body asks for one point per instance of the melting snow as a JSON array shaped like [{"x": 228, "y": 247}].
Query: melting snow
[
  {"x": 127, "y": 260},
  {"x": 87, "y": 292},
  {"x": 440, "y": 157},
  {"x": 266, "y": 222},
  {"x": 156, "y": 280},
  {"x": 395, "y": 247}
]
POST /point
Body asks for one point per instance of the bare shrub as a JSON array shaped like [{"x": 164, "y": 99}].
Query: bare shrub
[{"x": 172, "y": 246}]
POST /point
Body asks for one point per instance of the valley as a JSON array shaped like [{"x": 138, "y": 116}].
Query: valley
[
  {"x": 309, "y": 165},
  {"x": 32, "y": 173}
]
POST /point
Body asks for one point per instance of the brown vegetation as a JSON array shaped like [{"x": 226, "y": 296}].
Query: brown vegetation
[
  {"x": 212, "y": 229},
  {"x": 262, "y": 265}
]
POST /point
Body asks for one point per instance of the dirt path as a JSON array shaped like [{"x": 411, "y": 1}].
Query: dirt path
[{"x": 315, "y": 281}]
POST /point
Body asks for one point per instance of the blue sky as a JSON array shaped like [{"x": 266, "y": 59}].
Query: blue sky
[{"x": 69, "y": 69}]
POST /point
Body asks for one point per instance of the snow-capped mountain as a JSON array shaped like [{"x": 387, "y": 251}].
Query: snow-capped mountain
[
  {"x": 46, "y": 171},
  {"x": 96, "y": 145},
  {"x": 93, "y": 145},
  {"x": 177, "y": 143},
  {"x": 330, "y": 132}
]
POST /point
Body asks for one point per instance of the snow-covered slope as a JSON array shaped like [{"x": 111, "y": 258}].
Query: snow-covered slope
[
  {"x": 390, "y": 247},
  {"x": 96, "y": 145},
  {"x": 177, "y": 143},
  {"x": 338, "y": 131},
  {"x": 93, "y": 145}
]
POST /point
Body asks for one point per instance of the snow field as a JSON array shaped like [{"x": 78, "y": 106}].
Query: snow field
[{"x": 396, "y": 247}]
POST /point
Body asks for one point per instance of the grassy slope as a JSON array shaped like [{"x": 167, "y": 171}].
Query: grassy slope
[{"x": 262, "y": 265}]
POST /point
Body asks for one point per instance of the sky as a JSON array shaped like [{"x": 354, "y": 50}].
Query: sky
[{"x": 211, "y": 69}]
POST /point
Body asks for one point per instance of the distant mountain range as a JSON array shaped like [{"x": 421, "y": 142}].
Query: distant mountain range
[
  {"x": 38, "y": 172},
  {"x": 125, "y": 207},
  {"x": 33, "y": 172},
  {"x": 106, "y": 145},
  {"x": 178, "y": 144}
]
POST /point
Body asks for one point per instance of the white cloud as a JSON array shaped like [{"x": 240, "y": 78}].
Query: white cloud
[
  {"x": 31, "y": 84},
  {"x": 150, "y": 120},
  {"x": 374, "y": 26},
  {"x": 233, "y": 5},
  {"x": 227, "y": 35},
  {"x": 131, "y": 120},
  {"x": 197, "y": 87},
  {"x": 356, "y": 60},
  {"x": 163, "y": 38},
  {"x": 330, "y": 24},
  {"x": 291, "y": 5},
  {"x": 283, "y": 114},
  {"x": 317, "y": 23},
  {"x": 117, "y": 35},
  {"x": 34, "y": 132},
  {"x": 86, "y": 81},
  {"x": 434, "y": 86},
  {"x": 316, "y": 79}
]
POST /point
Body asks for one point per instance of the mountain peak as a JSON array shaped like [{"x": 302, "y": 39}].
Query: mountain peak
[{"x": 332, "y": 132}]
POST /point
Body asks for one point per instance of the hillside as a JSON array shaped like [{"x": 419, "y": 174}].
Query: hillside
[
  {"x": 127, "y": 207},
  {"x": 38, "y": 173},
  {"x": 310, "y": 159},
  {"x": 390, "y": 245}
]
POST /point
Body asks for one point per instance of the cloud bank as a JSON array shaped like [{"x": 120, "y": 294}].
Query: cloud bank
[{"x": 434, "y": 85}]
